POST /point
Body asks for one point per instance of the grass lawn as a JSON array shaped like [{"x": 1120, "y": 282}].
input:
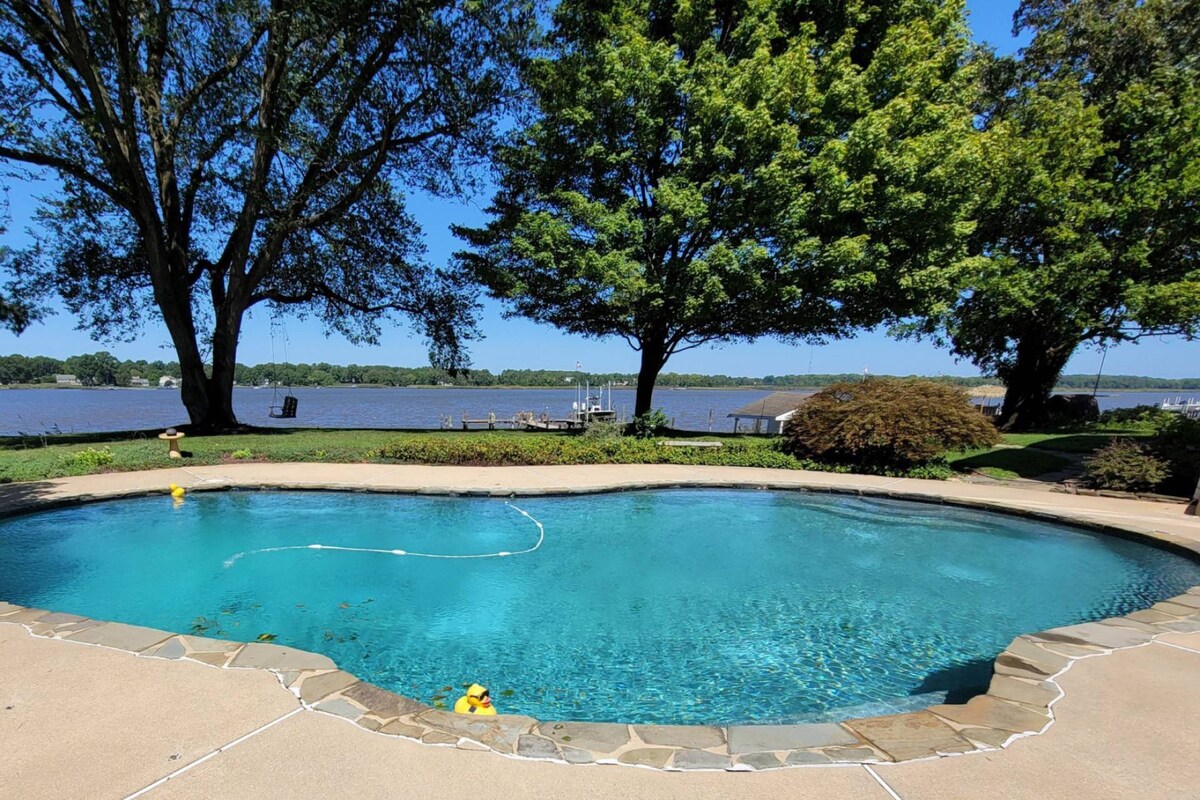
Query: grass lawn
[
  {"x": 38, "y": 458},
  {"x": 1070, "y": 442},
  {"x": 34, "y": 458},
  {"x": 1026, "y": 457},
  {"x": 1007, "y": 463}
]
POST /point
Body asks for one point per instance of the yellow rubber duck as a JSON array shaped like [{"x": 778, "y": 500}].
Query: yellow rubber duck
[
  {"x": 177, "y": 491},
  {"x": 476, "y": 701}
]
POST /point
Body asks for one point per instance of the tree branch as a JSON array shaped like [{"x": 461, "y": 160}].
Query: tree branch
[{"x": 71, "y": 168}]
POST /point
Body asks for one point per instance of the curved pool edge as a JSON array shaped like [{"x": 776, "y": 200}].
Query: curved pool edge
[{"x": 1019, "y": 702}]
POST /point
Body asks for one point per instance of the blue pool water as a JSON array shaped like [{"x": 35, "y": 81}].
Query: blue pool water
[{"x": 686, "y": 606}]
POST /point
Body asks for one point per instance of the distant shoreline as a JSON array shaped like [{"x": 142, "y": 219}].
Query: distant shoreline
[{"x": 596, "y": 387}]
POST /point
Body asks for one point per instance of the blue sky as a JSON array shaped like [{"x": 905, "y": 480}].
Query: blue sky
[{"x": 517, "y": 343}]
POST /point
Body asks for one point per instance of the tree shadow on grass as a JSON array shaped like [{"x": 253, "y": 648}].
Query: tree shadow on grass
[{"x": 1023, "y": 462}]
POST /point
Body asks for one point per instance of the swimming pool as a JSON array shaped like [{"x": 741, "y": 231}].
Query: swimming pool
[{"x": 684, "y": 606}]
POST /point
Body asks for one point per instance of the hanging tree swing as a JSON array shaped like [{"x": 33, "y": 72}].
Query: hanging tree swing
[{"x": 286, "y": 409}]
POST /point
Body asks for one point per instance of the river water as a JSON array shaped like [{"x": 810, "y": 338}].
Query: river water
[{"x": 36, "y": 411}]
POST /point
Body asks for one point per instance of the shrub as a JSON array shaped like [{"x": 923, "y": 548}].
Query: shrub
[
  {"x": 604, "y": 430},
  {"x": 1178, "y": 444},
  {"x": 241, "y": 454},
  {"x": 92, "y": 459},
  {"x": 1124, "y": 465},
  {"x": 649, "y": 424},
  {"x": 887, "y": 423},
  {"x": 1147, "y": 418},
  {"x": 553, "y": 450}
]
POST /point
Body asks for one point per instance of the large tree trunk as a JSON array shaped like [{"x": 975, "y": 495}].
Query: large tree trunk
[
  {"x": 208, "y": 400},
  {"x": 1193, "y": 506},
  {"x": 1030, "y": 380},
  {"x": 654, "y": 356}
]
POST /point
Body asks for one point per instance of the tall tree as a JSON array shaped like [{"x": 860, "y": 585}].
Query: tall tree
[
  {"x": 731, "y": 169},
  {"x": 1088, "y": 229},
  {"x": 222, "y": 154}
]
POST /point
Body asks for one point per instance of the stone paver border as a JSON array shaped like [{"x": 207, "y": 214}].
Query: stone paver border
[{"x": 1019, "y": 702}]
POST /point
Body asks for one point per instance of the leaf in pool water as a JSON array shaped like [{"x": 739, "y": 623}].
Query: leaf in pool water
[
  {"x": 299, "y": 605},
  {"x": 343, "y": 605},
  {"x": 266, "y": 637},
  {"x": 369, "y": 600},
  {"x": 256, "y": 605},
  {"x": 465, "y": 685},
  {"x": 328, "y": 635},
  {"x": 447, "y": 688},
  {"x": 226, "y": 610},
  {"x": 438, "y": 697},
  {"x": 438, "y": 704},
  {"x": 507, "y": 693}
]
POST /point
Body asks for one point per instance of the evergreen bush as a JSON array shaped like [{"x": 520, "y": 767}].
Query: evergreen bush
[{"x": 1124, "y": 465}]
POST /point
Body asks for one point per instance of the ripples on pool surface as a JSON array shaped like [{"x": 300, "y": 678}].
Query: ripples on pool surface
[{"x": 670, "y": 607}]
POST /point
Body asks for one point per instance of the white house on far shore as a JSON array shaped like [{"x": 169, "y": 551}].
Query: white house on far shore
[
  {"x": 167, "y": 382},
  {"x": 769, "y": 413},
  {"x": 67, "y": 380}
]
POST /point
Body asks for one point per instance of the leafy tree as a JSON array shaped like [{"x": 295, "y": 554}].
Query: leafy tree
[
  {"x": 727, "y": 170},
  {"x": 223, "y": 154},
  {"x": 1088, "y": 227},
  {"x": 94, "y": 369}
]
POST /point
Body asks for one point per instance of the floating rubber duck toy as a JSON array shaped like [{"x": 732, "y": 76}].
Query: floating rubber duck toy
[
  {"x": 476, "y": 701},
  {"x": 177, "y": 491}
]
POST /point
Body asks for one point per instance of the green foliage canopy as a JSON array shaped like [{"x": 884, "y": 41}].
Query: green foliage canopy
[
  {"x": 1088, "y": 229},
  {"x": 714, "y": 171}
]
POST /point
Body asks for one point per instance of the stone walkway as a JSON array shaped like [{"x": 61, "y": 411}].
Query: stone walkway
[{"x": 87, "y": 720}]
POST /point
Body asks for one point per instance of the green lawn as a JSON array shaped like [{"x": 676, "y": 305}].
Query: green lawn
[
  {"x": 1007, "y": 463},
  {"x": 27, "y": 459},
  {"x": 34, "y": 458},
  {"x": 37, "y": 458},
  {"x": 1029, "y": 459},
  {"x": 1069, "y": 442}
]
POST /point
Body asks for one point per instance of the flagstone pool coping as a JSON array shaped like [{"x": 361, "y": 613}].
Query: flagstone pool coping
[{"x": 1018, "y": 703}]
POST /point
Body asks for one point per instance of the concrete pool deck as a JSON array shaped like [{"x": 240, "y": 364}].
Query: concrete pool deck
[{"x": 82, "y": 720}]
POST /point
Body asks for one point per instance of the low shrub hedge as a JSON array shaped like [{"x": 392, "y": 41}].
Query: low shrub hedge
[
  {"x": 550, "y": 450},
  {"x": 546, "y": 450}
]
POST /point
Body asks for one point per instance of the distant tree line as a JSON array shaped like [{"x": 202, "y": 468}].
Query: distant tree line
[{"x": 104, "y": 369}]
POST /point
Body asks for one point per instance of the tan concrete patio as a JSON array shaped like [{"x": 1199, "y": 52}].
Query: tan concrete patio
[{"x": 80, "y": 720}]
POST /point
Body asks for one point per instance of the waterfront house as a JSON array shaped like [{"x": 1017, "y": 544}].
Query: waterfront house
[
  {"x": 67, "y": 380},
  {"x": 768, "y": 414}
]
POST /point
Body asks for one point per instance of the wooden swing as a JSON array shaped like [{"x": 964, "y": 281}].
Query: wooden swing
[{"x": 286, "y": 409}]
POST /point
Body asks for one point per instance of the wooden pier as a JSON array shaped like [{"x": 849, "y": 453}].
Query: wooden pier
[{"x": 528, "y": 420}]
